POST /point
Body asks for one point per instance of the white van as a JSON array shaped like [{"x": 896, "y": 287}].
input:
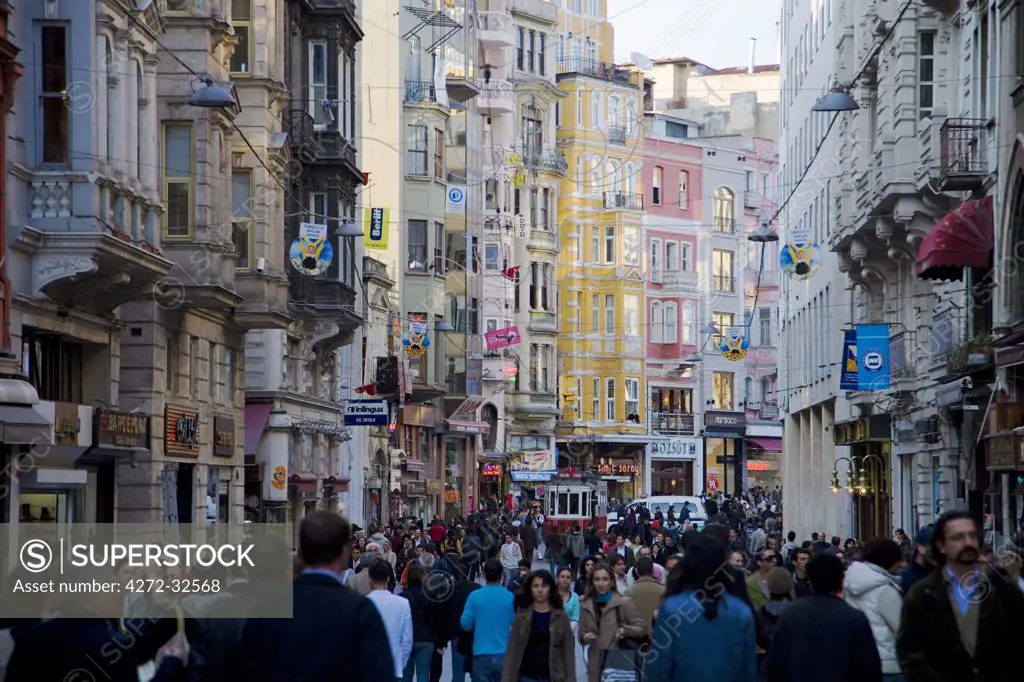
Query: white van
[{"x": 698, "y": 514}]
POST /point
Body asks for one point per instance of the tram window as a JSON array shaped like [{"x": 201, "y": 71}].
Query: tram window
[
  {"x": 574, "y": 504},
  {"x": 563, "y": 504},
  {"x": 551, "y": 505},
  {"x": 586, "y": 503}
]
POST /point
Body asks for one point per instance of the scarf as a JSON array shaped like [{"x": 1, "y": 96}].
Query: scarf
[{"x": 604, "y": 598}]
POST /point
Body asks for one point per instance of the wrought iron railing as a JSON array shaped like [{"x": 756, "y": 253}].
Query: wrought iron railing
[
  {"x": 420, "y": 91},
  {"x": 961, "y": 148},
  {"x": 634, "y": 202},
  {"x": 674, "y": 423},
  {"x": 602, "y": 70}
]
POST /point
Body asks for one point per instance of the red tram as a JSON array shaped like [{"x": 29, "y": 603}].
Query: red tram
[{"x": 573, "y": 502}]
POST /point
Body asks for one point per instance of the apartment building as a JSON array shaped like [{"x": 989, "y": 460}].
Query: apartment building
[
  {"x": 523, "y": 172},
  {"x": 713, "y": 418},
  {"x": 600, "y": 277}
]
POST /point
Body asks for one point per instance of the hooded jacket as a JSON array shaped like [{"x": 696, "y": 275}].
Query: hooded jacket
[{"x": 876, "y": 594}]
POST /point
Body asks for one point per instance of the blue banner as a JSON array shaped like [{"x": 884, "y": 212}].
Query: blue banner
[
  {"x": 873, "y": 357},
  {"x": 848, "y": 374}
]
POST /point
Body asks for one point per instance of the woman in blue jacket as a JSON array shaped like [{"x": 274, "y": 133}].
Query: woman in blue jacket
[{"x": 702, "y": 633}]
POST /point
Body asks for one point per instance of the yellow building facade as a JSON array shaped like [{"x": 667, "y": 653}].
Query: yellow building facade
[{"x": 602, "y": 344}]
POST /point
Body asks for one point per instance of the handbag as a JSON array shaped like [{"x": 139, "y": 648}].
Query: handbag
[
  {"x": 624, "y": 664},
  {"x": 147, "y": 671}
]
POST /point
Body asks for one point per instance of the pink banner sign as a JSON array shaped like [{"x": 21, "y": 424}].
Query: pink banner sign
[{"x": 502, "y": 338}]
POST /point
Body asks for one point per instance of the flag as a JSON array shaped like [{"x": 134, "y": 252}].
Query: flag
[
  {"x": 368, "y": 389},
  {"x": 510, "y": 273}
]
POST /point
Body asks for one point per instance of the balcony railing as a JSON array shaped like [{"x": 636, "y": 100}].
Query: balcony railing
[
  {"x": 634, "y": 202},
  {"x": 752, "y": 198},
  {"x": 374, "y": 269},
  {"x": 769, "y": 410},
  {"x": 547, "y": 159},
  {"x": 420, "y": 91},
  {"x": 498, "y": 22},
  {"x": 581, "y": 66},
  {"x": 617, "y": 134},
  {"x": 723, "y": 283},
  {"x": 673, "y": 423},
  {"x": 724, "y": 225},
  {"x": 299, "y": 124},
  {"x": 964, "y": 165},
  {"x": 901, "y": 365}
]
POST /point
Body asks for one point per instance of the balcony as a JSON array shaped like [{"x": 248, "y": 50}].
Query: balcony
[
  {"x": 495, "y": 30},
  {"x": 420, "y": 92},
  {"x": 536, "y": 9},
  {"x": 723, "y": 284},
  {"x": 962, "y": 157},
  {"x": 672, "y": 423},
  {"x": 543, "y": 322},
  {"x": 769, "y": 410},
  {"x": 752, "y": 199},
  {"x": 766, "y": 278},
  {"x": 539, "y": 403},
  {"x": 545, "y": 159},
  {"x": 496, "y": 97},
  {"x": 970, "y": 357},
  {"x": 571, "y": 67},
  {"x": 678, "y": 280},
  {"x": 542, "y": 240},
  {"x": 617, "y": 134},
  {"x": 93, "y": 271},
  {"x": 376, "y": 271},
  {"x": 901, "y": 361},
  {"x": 616, "y": 200},
  {"x": 724, "y": 225},
  {"x": 298, "y": 123},
  {"x": 323, "y": 298},
  {"x": 656, "y": 276}
]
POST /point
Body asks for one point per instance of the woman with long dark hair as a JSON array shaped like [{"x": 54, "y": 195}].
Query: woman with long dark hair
[
  {"x": 540, "y": 644},
  {"x": 583, "y": 577},
  {"x": 702, "y": 633},
  {"x": 606, "y": 620}
]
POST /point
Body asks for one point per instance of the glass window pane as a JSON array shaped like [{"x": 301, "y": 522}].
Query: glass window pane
[
  {"x": 178, "y": 150},
  {"x": 55, "y": 77},
  {"x": 240, "y": 57},
  {"x": 318, "y": 68},
  {"x": 240, "y": 237},
  {"x": 241, "y": 191},
  {"x": 177, "y": 218},
  {"x": 241, "y": 10},
  {"x": 177, "y": 5}
]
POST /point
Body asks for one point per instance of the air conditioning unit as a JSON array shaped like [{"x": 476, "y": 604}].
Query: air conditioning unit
[{"x": 620, "y": 200}]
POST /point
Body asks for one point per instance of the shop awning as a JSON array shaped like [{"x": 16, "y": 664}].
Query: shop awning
[
  {"x": 767, "y": 444},
  {"x": 963, "y": 239},
  {"x": 24, "y": 425},
  {"x": 339, "y": 483},
  {"x": 473, "y": 427},
  {"x": 256, "y": 416}
]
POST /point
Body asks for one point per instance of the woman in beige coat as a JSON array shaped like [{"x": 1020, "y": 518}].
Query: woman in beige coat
[
  {"x": 606, "y": 618},
  {"x": 540, "y": 644}
]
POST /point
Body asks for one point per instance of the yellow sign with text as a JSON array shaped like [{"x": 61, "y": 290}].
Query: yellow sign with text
[{"x": 375, "y": 228}]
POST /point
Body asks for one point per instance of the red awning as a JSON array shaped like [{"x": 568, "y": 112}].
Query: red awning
[
  {"x": 303, "y": 483},
  {"x": 767, "y": 444},
  {"x": 256, "y": 416},
  {"x": 963, "y": 239}
]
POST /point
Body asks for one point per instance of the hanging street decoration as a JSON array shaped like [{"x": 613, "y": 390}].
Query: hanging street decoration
[
  {"x": 799, "y": 256},
  {"x": 734, "y": 344},
  {"x": 416, "y": 341},
  {"x": 375, "y": 228},
  {"x": 368, "y": 389},
  {"x": 510, "y": 273},
  {"x": 519, "y": 179},
  {"x": 311, "y": 254}
]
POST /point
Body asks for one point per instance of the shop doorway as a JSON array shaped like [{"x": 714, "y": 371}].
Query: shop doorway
[
  {"x": 671, "y": 478},
  {"x": 49, "y": 507}
]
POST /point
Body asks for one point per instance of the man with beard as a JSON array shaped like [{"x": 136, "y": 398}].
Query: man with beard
[{"x": 960, "y": 622}]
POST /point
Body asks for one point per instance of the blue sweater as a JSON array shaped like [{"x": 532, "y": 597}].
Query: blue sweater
[
  {"x": 488, "y": 613},
  {"x": 688, "y": 647}
]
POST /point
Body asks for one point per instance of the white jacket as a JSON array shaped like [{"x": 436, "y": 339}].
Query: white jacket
[{"x": 875, "y": 593}]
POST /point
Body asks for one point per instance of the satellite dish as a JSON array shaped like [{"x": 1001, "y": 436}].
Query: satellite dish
[{"x": 642, "y": 61}]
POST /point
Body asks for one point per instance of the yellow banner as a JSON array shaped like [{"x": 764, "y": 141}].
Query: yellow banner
[{"x": 376, "y": 224}]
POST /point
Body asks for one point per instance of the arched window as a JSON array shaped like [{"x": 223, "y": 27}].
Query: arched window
[
  {"x": 581, "y": 173},
  {"x": 748, "y": 389},
  {"x": 688, "y": 334},
  {"x": 671, "y": 323},
  {"x": 766, "y": 388},
  {"x": 631, "y": 117},
  {"x": 724, "y": 210},
  {"x": 489, "y": 414},
  {"x": 595, "y": 175},
  {"x": 630, "y": 179},
  {"x": 612, "y": 177},
  {"x": 657, "y": 323},
  {"x": 596, "y": 111}
]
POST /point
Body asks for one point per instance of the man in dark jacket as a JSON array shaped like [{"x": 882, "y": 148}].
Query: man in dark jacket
[
  {"x": 83, "y": 642},
  {"x": 734, "y": 580},
  {"x": 331, "y": 626},
  {"x": 922, "y": 565},
  {"x": 451, "y": 600},
  {"x": 962, "y": 621},
  {"x": 823, "y": 630}
]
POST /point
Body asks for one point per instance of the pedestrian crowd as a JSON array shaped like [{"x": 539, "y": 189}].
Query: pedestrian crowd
[{"x": 650, "y": 599}]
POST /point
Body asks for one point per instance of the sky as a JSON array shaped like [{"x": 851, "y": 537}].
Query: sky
[{"x": 714, "y": 32}]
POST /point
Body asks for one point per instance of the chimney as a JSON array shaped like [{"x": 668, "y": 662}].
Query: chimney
[{"x": 753, "y": 50}]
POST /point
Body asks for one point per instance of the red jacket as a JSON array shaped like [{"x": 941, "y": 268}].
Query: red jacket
[{"x": 436, "y": 533}]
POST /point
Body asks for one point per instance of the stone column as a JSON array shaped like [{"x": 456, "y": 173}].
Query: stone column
[
  {"x": 148, "y": 157},
  {"x": 132, "y": 110},
  {"x": 101, "y": 98},
  {"x": 116, "y": 82}
]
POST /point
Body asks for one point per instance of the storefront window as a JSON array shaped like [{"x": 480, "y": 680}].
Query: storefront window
[{"x": 453, "y": 456}]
